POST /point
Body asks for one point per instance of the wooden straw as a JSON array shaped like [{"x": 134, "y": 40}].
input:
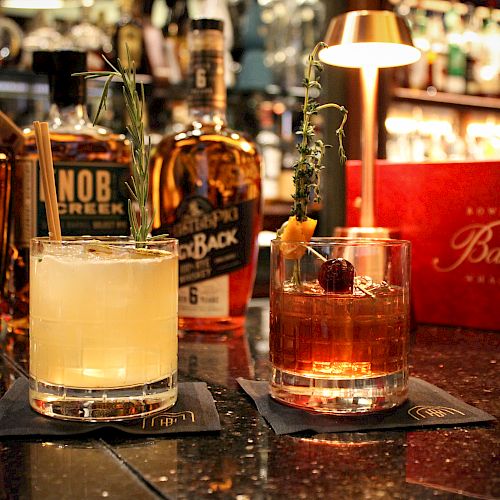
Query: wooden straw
[{"x": 48, "y": 179}]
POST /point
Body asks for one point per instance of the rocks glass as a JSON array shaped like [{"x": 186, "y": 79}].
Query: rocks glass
[
  {"x": 103, "y": 327},
  {"x": 339, "y": 327}
]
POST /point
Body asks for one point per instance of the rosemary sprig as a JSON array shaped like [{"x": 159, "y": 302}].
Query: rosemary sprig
[
  {"x": 140, "y": 226},
  {"x": 307, "y": 168}
]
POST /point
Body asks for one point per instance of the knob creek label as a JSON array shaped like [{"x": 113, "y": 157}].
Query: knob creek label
[{"x": 92, "y": 199}]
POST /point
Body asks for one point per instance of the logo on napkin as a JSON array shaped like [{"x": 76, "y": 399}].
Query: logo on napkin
[
  {"x": 421, "y": 412},
  {"x": 167, "y": 419}
]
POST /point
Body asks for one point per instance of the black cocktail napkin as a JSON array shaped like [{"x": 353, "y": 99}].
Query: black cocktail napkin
[
  {"x": 194, "y": 411},
  {"x": 427, "y": 406}
]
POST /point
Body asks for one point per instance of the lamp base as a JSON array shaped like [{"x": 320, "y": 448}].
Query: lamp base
[{"x": 366, "y": 232}]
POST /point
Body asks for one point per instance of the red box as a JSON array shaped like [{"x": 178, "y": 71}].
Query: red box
[{"x": 451, "y": 214}]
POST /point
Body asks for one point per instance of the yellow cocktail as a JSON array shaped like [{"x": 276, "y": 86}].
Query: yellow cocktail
[{"x": 103, "y": 327}]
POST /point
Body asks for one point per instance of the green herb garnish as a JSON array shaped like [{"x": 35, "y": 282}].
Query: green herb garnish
[
  {"x": 140, "y": 226},
  {"x": 308, "y": 167}
]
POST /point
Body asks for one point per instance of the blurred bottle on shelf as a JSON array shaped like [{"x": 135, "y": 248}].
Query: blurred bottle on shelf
[
  {"x": 256, "y": 73},
  {"x": 489, "y": 71},
  {"x": 90, "y": 38},
  {"x": 291, "y": 28},
  {"x": 289, "y": 142},
  {"x": 275, "y": 18},
  {"x": 128, "y": 35},
  {"x": 483, "y": 138},
  {"x": 41, "y": 34},
  {"x": 456, "y": 64},
  {"x": 155, "y": 47},
  {"x": 424, "y": 133},
  {"x": 461, "y": 45},
  {"x": 270, "y": 146},
  {"x": 11, "y": 37},
  {"x": 418, "y": 72},
  {"x": 11, "y": 142},
  {"x": 309, "y": 15},
  {"x": 176, "y": 33},
  {"x": 472, "y": 45},
  {"x": 436, "y": 56},
  {"x": 429, "y": 72}
]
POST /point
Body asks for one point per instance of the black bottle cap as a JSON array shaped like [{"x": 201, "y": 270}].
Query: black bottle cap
[
  {"x": 62, "y": 62},
  {"x": 207, "y": 24},
  {"x": 65, "y": 89}
]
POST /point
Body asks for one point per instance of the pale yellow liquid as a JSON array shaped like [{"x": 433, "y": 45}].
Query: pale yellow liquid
[{"x": 99, "y": 322}]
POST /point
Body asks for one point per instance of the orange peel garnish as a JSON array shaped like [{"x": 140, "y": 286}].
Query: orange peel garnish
[{"x": 297, "y": 231}]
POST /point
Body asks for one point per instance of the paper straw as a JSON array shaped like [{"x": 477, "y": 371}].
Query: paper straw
[{"x": 48, "y": 179}]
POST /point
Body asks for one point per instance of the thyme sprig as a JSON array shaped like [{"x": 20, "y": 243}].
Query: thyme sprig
[
  {"x": 140, "y": 224},
  {"x": 307, "y": 169}
]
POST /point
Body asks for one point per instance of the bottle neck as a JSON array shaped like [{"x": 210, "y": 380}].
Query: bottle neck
[
  {"x": 67, "y": 90},
  {"x": 72, "y": 116},
  {"x": 207, "y": 116},
  {"x": 207, "y": 99}
]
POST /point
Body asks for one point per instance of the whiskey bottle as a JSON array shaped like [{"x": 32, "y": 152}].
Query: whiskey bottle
[
  {"x": 456, "y": 68},
  {"x": 91, "y": 165},
  {"x": 87, "y": 36},
  {"x": 206, "y": 191},
  {"x": 128, "y": 37},
  {"x": 176, "y": 34},
  {"x": 11, "y": 141},
  {"x": 13, "y": 308}
]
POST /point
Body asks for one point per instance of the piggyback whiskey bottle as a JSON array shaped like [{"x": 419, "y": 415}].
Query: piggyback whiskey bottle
[{"x": 206, "y": 192}]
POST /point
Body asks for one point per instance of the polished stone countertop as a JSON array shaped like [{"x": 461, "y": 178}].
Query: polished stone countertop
[{"x": 246, "y": 460}]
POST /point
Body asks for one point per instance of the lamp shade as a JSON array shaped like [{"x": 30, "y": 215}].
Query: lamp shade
[
  {"x": 34, "y": 4},
  {"x": 369, "y": 37}
]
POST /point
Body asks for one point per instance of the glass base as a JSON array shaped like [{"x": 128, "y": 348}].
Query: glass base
[
  {"x": 340, "y": 396},
  {"x": 101, "y": 405}
]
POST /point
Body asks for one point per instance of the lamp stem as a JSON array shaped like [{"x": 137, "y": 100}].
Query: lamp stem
[{"x": 369, "y": 82}]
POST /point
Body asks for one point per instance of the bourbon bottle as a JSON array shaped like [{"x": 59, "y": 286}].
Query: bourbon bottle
[
  {"x": 91, "y": 165},
  {"x": 206, "y": 191}
]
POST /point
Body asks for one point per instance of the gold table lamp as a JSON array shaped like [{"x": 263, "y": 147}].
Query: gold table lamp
[{"x": 369, "y": 40}]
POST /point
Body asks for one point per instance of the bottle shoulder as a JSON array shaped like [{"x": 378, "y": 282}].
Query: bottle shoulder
[
  {"x": 78, "y": 127},
  {"x": 195, "y": 137},
  {"x": 82, "y": 143}
]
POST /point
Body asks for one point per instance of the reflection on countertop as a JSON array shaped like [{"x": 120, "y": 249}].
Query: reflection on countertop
[{"x": 246, "y": 460}]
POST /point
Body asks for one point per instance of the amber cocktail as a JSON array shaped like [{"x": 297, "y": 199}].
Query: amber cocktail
[{"x": 339, "y": 329}]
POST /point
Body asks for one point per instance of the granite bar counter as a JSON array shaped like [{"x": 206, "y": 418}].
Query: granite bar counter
[{"x": 246, "y": 460}]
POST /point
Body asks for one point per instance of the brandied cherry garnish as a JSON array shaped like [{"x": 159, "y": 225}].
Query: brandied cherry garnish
[{"x": 337, "y": 275}]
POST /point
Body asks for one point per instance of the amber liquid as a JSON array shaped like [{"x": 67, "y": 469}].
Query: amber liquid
[
  {"x": 224, "y": 167},
  {"x": 338, "y": 335},
  {"x": 83, "y": 147}
]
